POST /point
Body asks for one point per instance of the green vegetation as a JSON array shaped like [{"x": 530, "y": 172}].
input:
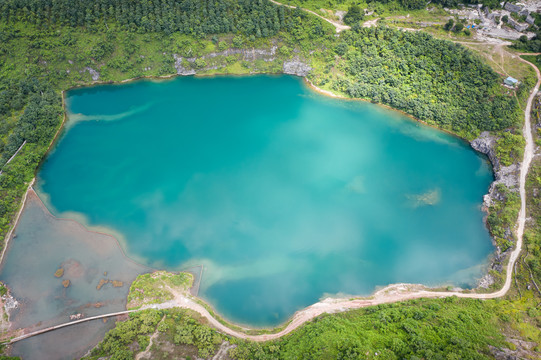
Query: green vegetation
[
  {"x": 450, "y": 328},
  {"x": 117, "y": 343},
  {"x": 354, "y": 15},
  {"x": 48, "y": 46},
  {"x": 427, "y": 329},
  {"x": 179, "y": 328},
  {"x": 436, "y": 81},
  {"x": 197, "y": 18},
  {"x": 532, "y": 236},
  {"x": 510, "y": 148},
  {"x": 382, "y": 7},
  {"x": 157, "y": 287},
  {"x": 503, "y": 216}
]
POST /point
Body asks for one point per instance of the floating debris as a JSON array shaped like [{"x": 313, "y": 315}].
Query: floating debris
[
  {"x": 76, "y": 316},
  {"x": 66, "y": 283}
]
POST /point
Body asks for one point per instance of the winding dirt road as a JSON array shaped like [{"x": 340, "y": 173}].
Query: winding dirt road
[{"x": 339, "y": 27}]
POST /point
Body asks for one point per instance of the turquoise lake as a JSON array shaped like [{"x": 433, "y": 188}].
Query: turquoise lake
[{"x": 282, "y": 194}]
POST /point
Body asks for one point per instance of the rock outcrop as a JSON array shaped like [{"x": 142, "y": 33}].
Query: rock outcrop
[
  {"x": 95, "y": 75},
  {"x": 507, "y": 175},
  {"x": 246, "y": 55},
  {"x": 296, "y": 67},
  {"x": 181, "y": 69}
]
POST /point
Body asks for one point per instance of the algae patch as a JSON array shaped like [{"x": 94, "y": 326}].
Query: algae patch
[
  {"x": 115, "y": 283},
  {"x": 430, "y": 198},
  {"x": 59, "y": 272}
]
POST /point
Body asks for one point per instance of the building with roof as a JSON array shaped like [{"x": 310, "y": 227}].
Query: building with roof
[{"x": 510, "y": 81}]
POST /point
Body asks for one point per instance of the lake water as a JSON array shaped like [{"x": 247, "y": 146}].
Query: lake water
[
  {"x": 282, "y": 194},
  {"x": 41, "y": 246}
]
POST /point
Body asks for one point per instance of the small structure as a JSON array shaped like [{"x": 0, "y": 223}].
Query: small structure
[
  {"x": 512, "y": 7},
  {"x": 521, "y": 27},
  {"x": 512, "y": 82},
  {"x": 530, "y": 19},
  {"x": 518, "y": 26}
]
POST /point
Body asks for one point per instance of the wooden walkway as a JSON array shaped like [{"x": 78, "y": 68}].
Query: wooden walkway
[{"x": 56, "y": 327}]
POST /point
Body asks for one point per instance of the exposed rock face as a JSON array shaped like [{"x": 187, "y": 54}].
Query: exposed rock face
[
  {"x": 523, "y": 350},
  {"x": 246, "y": 54},
  {"x": 296, "y": 67},
  {"x": 340, "y": 14},
  {"x": 292, "y": 67},
  {"x": 486, "y": 281},
  {"x": 181, "y": 70},
  {"x": 485, "y": 144},
  {"x": 10, "y": 303},
  {"x": 507, "y": 175}
]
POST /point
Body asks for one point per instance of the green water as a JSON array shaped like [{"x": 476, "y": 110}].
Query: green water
[{"x": 284, "y": 195}]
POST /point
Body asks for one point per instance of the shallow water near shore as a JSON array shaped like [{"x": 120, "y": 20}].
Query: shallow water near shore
[
  {"x": 54, "y": 268},
  {"x": 282, "y": 194}
]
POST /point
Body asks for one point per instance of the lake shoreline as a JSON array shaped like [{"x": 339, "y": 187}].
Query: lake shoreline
[
  {"x": 380, "y": 295},
  {"x": 310, "y": 85}
]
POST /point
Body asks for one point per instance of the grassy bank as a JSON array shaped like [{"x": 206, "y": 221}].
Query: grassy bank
[{"x": 440, "y": 328}]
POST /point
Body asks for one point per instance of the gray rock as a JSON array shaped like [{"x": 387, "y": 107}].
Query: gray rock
[
  {"x": 507, "y": 175},
  {"x": 246, "y": 54},
  {"x": 485, "y": 144},
  {"x": 95, "y": 75},
  {"x": 181, "y": 70},
  {"x": 486, "y": 281},
  {"x": 340, "y": 14},
  {"x": 296, "y": 67},
  {"x": 502, "y": 354}
]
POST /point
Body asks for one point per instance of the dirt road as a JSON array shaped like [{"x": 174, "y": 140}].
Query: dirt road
[{"x": 339, "y": 27}]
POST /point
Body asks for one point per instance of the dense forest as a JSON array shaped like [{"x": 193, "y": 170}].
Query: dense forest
[
  {"x": 195, "y": 17},
  {"x": 436, "y": 81}
]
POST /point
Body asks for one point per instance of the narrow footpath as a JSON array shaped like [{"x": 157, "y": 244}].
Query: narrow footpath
[{"x": 339, "y": 27}]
